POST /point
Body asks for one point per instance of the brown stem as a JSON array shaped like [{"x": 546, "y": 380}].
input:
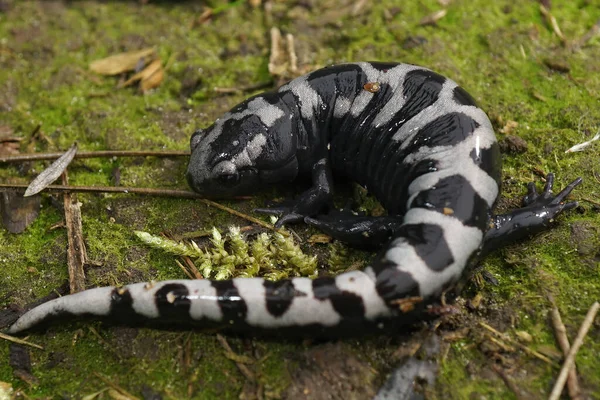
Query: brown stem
[{"x": 93, "y": 154}]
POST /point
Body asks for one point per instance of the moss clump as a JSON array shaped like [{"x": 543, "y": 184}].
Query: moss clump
[{"x": 273, "y": 256}]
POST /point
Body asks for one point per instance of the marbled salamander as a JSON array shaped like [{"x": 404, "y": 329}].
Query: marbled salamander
[{"x": 413, "y": 138}]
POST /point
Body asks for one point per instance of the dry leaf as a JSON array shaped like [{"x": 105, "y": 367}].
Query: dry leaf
[
  {"x": 152, "y": 80},
  {"x": 122, "y": 62},
  {"x": 18, "y": 212},
  {"x": 9, "y": 144},
  {"x": 150, "y": 77},
  {"x": 51, "y": 173}
]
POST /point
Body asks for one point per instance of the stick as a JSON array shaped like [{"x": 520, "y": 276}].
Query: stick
[
  {"x": 245, "y": 216},
  {"x": 19, "y": 341},
  {"x": 583, "y": 330},
  {"x": 154, "y": 192},
  {"x": 563, "y": 343},
  {"x": 76, "y": 254},
  {"x": 186, "y": 194},
  {"x": 509, "y": 383},
  {"x": 93, "y": 154},
  {"x": 522, "y": 347},
  {"x": 116, "y": 387}
]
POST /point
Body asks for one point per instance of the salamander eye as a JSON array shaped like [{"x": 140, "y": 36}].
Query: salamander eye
[
  {"x": 229, "y": 179},
  {"x": 195, "y": 139}
]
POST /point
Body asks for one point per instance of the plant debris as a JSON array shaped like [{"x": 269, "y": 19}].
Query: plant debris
[
  {"x": 582, "y": 146},
  {"x": 122, "y": 62},
  {"x": 51, "y": 173},
  {"x": 146, "y": 63},
  {"x": 432, "y": 19},
  {"x": 570, "y": 359},
  {"x": 283, "y": 62},
  {"x": 563, "y": 341},
  {"x": 76, "y": 253},
  {"x": 18, "y": 212}
]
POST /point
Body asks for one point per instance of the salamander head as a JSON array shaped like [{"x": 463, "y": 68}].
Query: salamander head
[{"x": 238, "y": 156}]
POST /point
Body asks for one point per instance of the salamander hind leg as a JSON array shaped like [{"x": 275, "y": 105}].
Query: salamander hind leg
[
  {"x": 358, "y": 231},
  {"x": 538, "y": 212}
]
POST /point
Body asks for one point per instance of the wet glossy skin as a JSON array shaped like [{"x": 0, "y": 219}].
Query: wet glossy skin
[{"x": 417, "y": 142}]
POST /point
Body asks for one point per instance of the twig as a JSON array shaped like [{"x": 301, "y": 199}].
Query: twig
[
  {"x": 596, "y": 203},
  {"x": 229, "y": 351},
  {"x": 93, "y": 154},
  {"x": 186, "y": 194},
  {"x": 76, "y": 254},
  {"x": 192, "y": 268},
  {"x": 116, "y": 387},
  {"x": 154, "y": 192},
  {"x": 563, "y": 342},
  {"x": 19, "y": 341},
  {"x": 594, "y": 30},
  {"x": 245, "y": 216},
  {"x": 291, "y": 50},
  {"x": 553, "y": 23},
  {"x": 521, "y": 346},
  {"x": 184, "y": 269},
  {"x": 241, "y": 89},
  {"x": 509, "y": 383},
  {"x": 583, "y": 330}
]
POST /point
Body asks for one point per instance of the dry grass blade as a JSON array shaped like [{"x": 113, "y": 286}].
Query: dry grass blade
[
  {"x": 51, "y": 173},
  {"x": 116, "y": 387},
  {"x": 19, "y": 341},
  {"x": 122, "y": 62}
]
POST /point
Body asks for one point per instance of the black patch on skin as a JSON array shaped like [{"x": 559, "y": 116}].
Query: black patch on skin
[
  {"x": 394, "y": 194},
  {"x": 447, "y": 130},
  {"x": 279, "y": 296},
  {"x": 384, "y": 66},
  {"x": 461, "y": 96},
  {"x": 454, "y": 195},
  {"x": 179, "y": 307},
  {"x": 421, "y": 89},
  {"x": 489, "y": 160},
  {"x": 347, "y": 304},
  {"x": 121, "y": 305},
  {"x": 338, "y": 79},
  {"x": 232, "y": 305},
  {"x": 393, "y": 284},
  {"x": 429, "y": 244},
  {"x": 420, "y": 84}
]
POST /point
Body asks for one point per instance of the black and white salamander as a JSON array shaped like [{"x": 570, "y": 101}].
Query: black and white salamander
[{"x": 415, "y": 139}]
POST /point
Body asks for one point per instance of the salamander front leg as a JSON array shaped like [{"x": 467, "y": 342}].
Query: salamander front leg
[
  {"x": 538, "y": 213},
  {"x": 311, "y": 202}
]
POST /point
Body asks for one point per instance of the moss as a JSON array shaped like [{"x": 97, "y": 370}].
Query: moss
[{"x": 497, "y": 51}]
